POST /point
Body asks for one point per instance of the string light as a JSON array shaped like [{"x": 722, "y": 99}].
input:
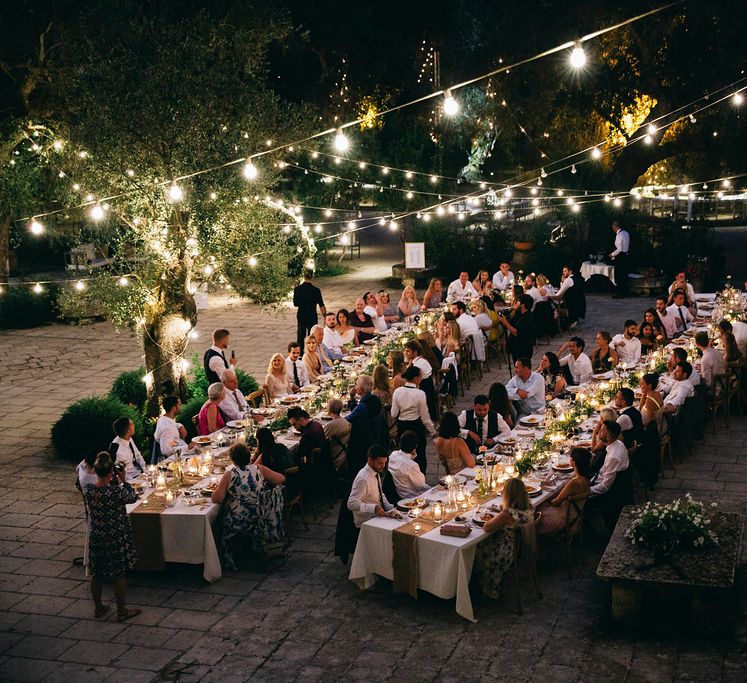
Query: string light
[
  {"x": 80, "y": 285},
  {"x": 651, "y": 129},
  {"x": 176, "y": 194},
  {"x": 123, "y": 281},
  {"x": 96, "y": 212},
  {"x": 252, "y": 261},
  {"x": 451, "y": 106},
  {"x": 738, "y": 98},
  {"x": 393, "y": 225},
  {"x": 578, "y": 56},
  {"x": 342, "y": 144},
  {"x": 36, "y": 228},
  {"x": 596, "y": 153},
  {"x": 38, "y": 289},
  {"x": 617, "y": 202},
  {"x": 250, "y": 171}
]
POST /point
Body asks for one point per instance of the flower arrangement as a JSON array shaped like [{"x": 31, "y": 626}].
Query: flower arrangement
[
  {"x": 526, "y": 462},
  {"x": 683, "y": 523}
]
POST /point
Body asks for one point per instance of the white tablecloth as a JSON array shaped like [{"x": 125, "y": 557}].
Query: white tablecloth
[
  {"x": 588, "y": 269},
  {"x": 445, "y": 562}
]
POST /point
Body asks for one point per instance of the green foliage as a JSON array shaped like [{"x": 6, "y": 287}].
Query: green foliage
[
  {"x": 86, "y": 426},
  {"x": 197, "y": 385},
  {"x": 21, "y": 308},
  {"x": 129, "y": 388},
  {"x": 189, "y": 410},
  {"x": 279, "y": 423}
]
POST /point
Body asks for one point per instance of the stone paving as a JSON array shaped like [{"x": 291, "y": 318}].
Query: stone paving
[{"x": 304, "y": 621}]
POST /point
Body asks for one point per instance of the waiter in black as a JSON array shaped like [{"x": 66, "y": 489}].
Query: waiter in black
[
  {"x": 620, "y": 257},
  {"x": 306, "y": 297}
]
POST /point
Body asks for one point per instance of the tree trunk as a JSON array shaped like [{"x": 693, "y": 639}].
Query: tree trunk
[{"x": 4, "y": 248}]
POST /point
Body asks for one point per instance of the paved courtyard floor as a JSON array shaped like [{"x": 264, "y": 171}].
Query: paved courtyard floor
[{"x": 304, "y": 621}]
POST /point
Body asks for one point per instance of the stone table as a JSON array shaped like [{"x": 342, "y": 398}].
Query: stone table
[{"x": 704, "y": 586}]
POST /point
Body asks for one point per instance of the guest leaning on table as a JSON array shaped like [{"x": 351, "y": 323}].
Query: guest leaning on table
[
  {"x": 111, "y": 550},
  {"x": 408, "y": 479},
  {"x": 367, "y": 499},
  {"x": 526, "y": 389}
]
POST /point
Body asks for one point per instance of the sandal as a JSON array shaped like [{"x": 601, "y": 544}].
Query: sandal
[
  {"x": 128, "y": 614},
  {"x": 98, "y": 613}
]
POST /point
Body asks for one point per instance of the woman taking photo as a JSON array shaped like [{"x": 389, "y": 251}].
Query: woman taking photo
[
  {"x": 451, "y": 448},
  {"x": 348, "y": 333},
  {"x": 111, "y": 550},
  {"x": 408, "y": 303},
  {"x": 604, "y": 357},
  {"x": 432, "y": 296},
  {"x": 550, "y": 369},
  {"x": 210, "y": 418},
  {"x": 277, "y": 379},
  {"x": 555, "y": 514}
]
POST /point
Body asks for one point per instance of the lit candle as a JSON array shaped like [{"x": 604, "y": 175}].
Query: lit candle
[
  {"x": 160, "y": 481},
  {"x": 170, "y": 499},
  {"x": 437, "y": 512},
  {"x": 416, "y": 527}
]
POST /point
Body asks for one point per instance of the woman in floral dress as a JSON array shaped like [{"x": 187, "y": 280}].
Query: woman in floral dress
[
  {"x": 496, "y": 555},
  {"x": 252, "y": 504},
  {"x": 111, "y": 549}
]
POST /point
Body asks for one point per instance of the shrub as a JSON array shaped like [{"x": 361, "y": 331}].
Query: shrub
[
  {"x": 129, "y": 388},
  {"x": 86, "y": 426},
  {"x": 20, "y": 308},
  {"x": 198, "y": 384},
  {"x": 189, "y": 410}
]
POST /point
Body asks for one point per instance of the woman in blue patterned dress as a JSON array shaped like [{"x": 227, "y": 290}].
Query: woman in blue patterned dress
[
  {"x": 111, "y": 550},
  {"x": 250, "y": 505}
]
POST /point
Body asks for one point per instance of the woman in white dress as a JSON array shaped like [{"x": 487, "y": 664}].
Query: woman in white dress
[{"x": 348, "y": 333}]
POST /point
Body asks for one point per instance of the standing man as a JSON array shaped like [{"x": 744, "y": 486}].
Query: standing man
[
  {"x": 620, "y": 257},
  {"x": 214, "y": 361},
  {"x": 306, "y": 297},
  {"x": 410, "y": 409}
]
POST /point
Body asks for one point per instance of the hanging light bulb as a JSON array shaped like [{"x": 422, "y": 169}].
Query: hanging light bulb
[
  {"x": 80, "y": 285},
  {"x": 250, "y": 171},
  {"x": 738, "y": 98},
  {"x": 176, "y": 194},
  {"x": 252, "y": 261},
  {"x": 385, "y": 171},
  {"x": 36, "y": 227},
  {"x": 361, "y": 165},
  {"x": 97, "y": 212},
  {"x": 596, "y": 153},
  {"x": 575, "y": 208},
  {"x": 651, "y": 129},
  {"x": 123, "y": 281},
  {"x": 393, "y": 225},
  {"x": 408, "y": 175},
  {"x": 434, "y": 179},
  {"x": 539, "y": 182},
  {"x": 648, "y": 139},
  {"x": 318, "y": 228},
  {"x": 426, "y": 217},
  {"x": 410, "y": 195},
  {"x": 543, "y": 173},
  {"x": 440, "y": 211},
  {"x": 617, "y": 202},
  {"x": 342, "y": 144},
  {"x": 534, "y": 190},
  {"x": 573, "y": 168},
  {"x": 578, "y": 56},
  {"x": 451, "y": 106},
  {"x": 38, "y": 289}
]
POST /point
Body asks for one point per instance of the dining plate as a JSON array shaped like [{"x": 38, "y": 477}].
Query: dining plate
[
  {"x": 533, "y": 489},
  {"x": 292, "y": 398},
  {"x": 680, "y": 341},
  {"x": 208, "y": 490},
  {"x": 482, "y": 518},
  {"x": 532, "y": 420},
  {"x": 507, "y": 440},
  {"x": 348, "y": 359},
  {"x": 202, "y": 439},
  {"x": 411, "y": 504},
  {"x": 235, "y": 424},
  {"x": 369, "y": 342},
  {"x": 563, "y": 468},
  {"x": 602, "y": 375},
  {"x": 262, "y": 411}
]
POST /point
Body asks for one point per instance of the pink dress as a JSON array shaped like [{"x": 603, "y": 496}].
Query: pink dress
[{"x": 202, "y": 420}]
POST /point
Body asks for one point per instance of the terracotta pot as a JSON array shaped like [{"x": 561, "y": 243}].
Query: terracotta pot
[{"x": 524, "y": 246}]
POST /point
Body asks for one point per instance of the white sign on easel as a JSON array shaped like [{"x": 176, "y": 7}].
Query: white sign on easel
[{"x": 414, "y": 255}]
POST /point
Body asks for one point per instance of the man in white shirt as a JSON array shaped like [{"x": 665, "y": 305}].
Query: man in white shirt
[
  {"x": 503, "y": 278},
  {"x": 375, "y": 310},
  {"x": 461, "y": 290},
  {"x": 679, "y": 312},
  {"x": 233, "y": 405},
  {"x": 468, "y": 327},
  {"x": 616, "y": 459},
  {"x": 295, "y": 367},
  {"x": 666, "y": 382},
  {"x": 627, "y": 345},
  {"x": 712, "y": 363},
  {"x": 566, "y": 282},
  {"x": 215, "y": 361},
  {"x": 409, "y": 480},
  {"x": 169, "y": 433},
  {"x": 367, "y": 499},
  {"x": 123, "y": 448},
  {"x": 681, "y": 390},
  {"x": 526, "y": 389},
  {"x": 680, "y": 282},
  {"x": 410, "y": 409},
  {"x": 480, "y": 426},
  {"x": 332, "y": 341},
  {"x": 667, "y": 319},
  {"x": 620, "y": 257},
  {"x": 530, "y": 287},
  {"x": 577, "y": 363},
  {"x": 739, "y": 330}
]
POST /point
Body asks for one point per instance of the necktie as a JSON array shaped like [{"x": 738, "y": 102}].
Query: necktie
[
  {"x": 479, "y": 428},
  {"x": 295, "y": 375},
  {"x": 682, "y": 318},
  {"x": 223, "y": 355},
  {"x": 236, "y": 398},
  {"x": 381, "y": 494},
  {"x": 134, "y": 457}
]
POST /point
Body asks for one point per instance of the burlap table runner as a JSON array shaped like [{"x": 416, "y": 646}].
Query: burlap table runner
[{"x": 145, "y": 520}]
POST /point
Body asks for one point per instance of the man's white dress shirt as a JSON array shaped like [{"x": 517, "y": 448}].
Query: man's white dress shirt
[
  {"x": 234, "y": 405},
  {"x": 303, "y": 375},
  {"x": 332, "y": 340},
  {"x": 535, "y": 387},
  {"x": 503, "y": 282},
  {"x": 535, "y": 294},
  {"x": 457, "y": 292},
  {"x": 84, "y": 476},
  {"x": 622, "y": 242},
  {"x": 216, "y": 364},
  {"x": 739, "y": 329},
  {"x": 503, "y": 428},
  {"x": 689, "y": 291},
  {"x": 379, "y": 322},
  {"x": 670, "y": 324},
  {"x": 565, "y": 286},
  {"x": 409, "y": 403},
  {"x": 468, "y": 327},
  {"x": 711, "y": 364},
  {"x": 426, "y": 369},
  {"x": 167, "y": 435},
  {"x": 580, "y": 368},
  {"x": 128, "y": 453},
  {"x": 408, "y": 479},
  {"x": 680, "y": 391},
  {"x": 628, "y": 350},
  {"x": 616, "y": 460},
  {"x": 365, "y": 494},
  {"x": 681, "y": 316}
]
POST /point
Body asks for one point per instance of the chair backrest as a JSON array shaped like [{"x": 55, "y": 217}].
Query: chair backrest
[
  {"x": 575, "y": 514},
  {"x": 255, "y": 398},
  {"x": 466, "y": 350},
  {"x": 155, "y": 454},
  {"x": 525, "y": 539}
]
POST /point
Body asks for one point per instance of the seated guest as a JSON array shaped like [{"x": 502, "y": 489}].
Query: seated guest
[
  {"x": 604, "y": 357},
  {"x": 680, "y": 282},
  {"x": 520, "y": 328},
  {"x": 728, "y": 342},
  {"x": 678, "y": 355},
  {"x": 366, "y": 499},
  {"x": 680, "y": 312},
  {"x": 648, "y": 338},
  {"x": 552, "y": 373},
  {"x": 496, "y": 555},
  {"x": 312, "y": 433},
  {"x": 526, "y": 389},
  {"x": 469, "y": 328},
  {"x": 480, "y": 314},
  {"x": 85, "y": 474},
  {"x": 317, "y": 331},
  {"x": 530, "y": 288},
  {"x": 451, "y": 448},
  {"x": 408, "y": 304},
  {"x": 123, "y": 449},
  {"x": 597, "y": 443},
  {"x": 409, "y": 480},
  {"x": 410, "y": 410},
  {"x": 239, "y": 491},
  {"x": 450, "y": 344},
  {"x": 503, "y": 279},
  {"x": 668, "y": 320},
  {"x": 546, "y": 290},
  {"x": 375, "y": 310},
  {"x": 365, "y": 420},
  {"x": 272, "y": 454},
  {"x": 500, "y": 403},
  {"x": 652, "y": 318},
  {"x": 312, "y": 359},
  {"x": 482, "y": 284},
  {"x": 480, "y": 426},
  {"x": 277, "y": 379},
  {"x": 712, "y": 362},
  {"x": 391, "y": 312},
  {"x": 461, "y": 289},
  {"x": 337, "y": 433},
  {"x": 382, "y": 387},
  {"x": 234, "y": 405},
  {"x": 556, "y": 513},
  {"x": 361, "y": 321},
  {"x": 652, "y": 403},
  {"x": 739, "y": 329},
  {"x": 681, "y": 390},
  {"x": 577, "y": 363},
  {"x": 615, "y": 460},
  {"x": 347, "y": 331},
  {"x": 210, "y": 418},
  {"x": 169, "y": 433},
  {"x": 630, "y": 420},
  {"x": 214, "y": 360},
  {"x": 430, "y": 349},
  {"x": 395, "y": 361},
  {"x": 627, "y": 344},
  {"x": 432, "y": 296},
  {"x": 331, "y": 340},
  {"x": 295, "y": 368}
]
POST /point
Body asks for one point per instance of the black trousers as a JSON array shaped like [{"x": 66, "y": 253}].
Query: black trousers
[
  {"x": 417, "y": 427},
  {"x": 622, "y": 268},
  {"x": 302, "y": 330}
]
